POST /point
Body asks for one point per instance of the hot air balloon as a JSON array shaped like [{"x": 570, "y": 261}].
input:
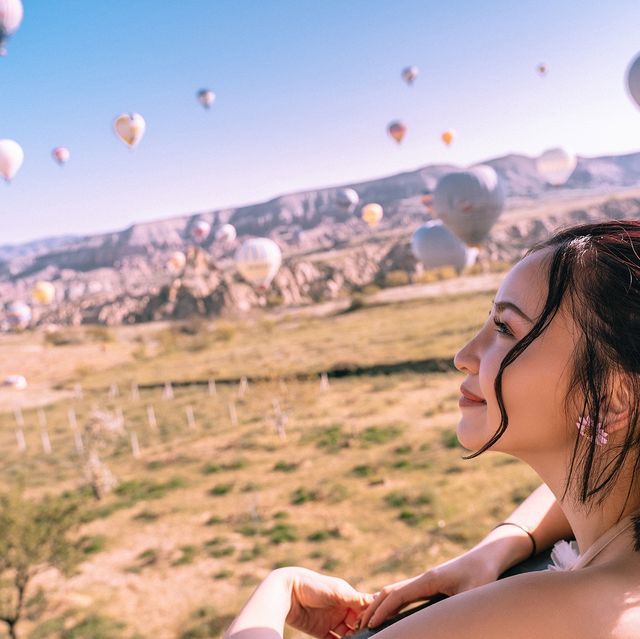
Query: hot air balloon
[
  {"x": 18, "y": 315},
  {"x": 347, "y": 199},
  {"x": 11, "y": 12},
  {"x": 633, "y": 79},
  {"x": 447, "y": 136},
  {"x": 43, "y": 292},
  {"x": 11, "y": 158},
  {"x": 542, "y": 69},
  {"x": 258, "y": 261},
  {"x": 130, "y": 127},
  {"x": 436, "y": 246},
  {"x": 17, "y": 382},
  {"x": 61, "y": 155},
  {"x": 206, "y": 97},
  {"x": 372, "y": 214},
  {"x": 200, "y": 230},
  {"x": 176, "y": 261},
  {"x": 469, "y": 202},
  {"x": 556, "y": 166},
  {"x": 397, "y": 131},
  {"x": 226, "y": 233},
  {"x": 409, "y": 74}
]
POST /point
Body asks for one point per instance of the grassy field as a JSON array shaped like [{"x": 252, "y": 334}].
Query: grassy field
[{"x": 364, "y": 480}]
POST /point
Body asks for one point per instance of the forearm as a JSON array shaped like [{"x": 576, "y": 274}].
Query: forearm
[
  {"x": 542, "y": 515},
  {"x": 264, "y": 615}
]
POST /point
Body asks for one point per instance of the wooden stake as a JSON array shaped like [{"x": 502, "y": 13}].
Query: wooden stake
[
  {"x": 191, "y": 421},
  {"x": 243, "y": 387},
  {"x": 324, "y": 382},
  {"x": 135, "y": 445},
  {"x": 135, "y": 392},
  {"x": 22, "y": 444},
  {"x": 19, "y": 418},
  {"x": 167, "y": 393},
  {"x": 151, "y": 418},
  {"x": 114, "y": 391},
  {"x": 212, "y": 387},
  {"x": 77, "y": 437},
  {"x": 73, "y": 422},
  {"x": 46, "y": 442},
  {"x": 44, "y": 435},
  {"x": 233, "y": 415}
]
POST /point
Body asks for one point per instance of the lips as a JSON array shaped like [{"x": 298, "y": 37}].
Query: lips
[{"x": 470, "y": 396}]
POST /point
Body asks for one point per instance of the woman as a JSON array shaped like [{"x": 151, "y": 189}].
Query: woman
[{"x": 553, "y": 379}]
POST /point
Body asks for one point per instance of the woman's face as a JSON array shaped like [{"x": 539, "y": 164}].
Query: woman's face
[{"x": 535, "y": 385}]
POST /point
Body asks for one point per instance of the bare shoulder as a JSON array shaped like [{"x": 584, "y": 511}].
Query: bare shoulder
[{"x": 586, "y": 604}]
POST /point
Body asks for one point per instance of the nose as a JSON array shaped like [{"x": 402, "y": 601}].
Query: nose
[{"x": 466, "y": 360}]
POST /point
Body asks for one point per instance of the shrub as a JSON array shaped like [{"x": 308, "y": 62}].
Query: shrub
[
  {"x": 220, "y": 489},
  {"x": 396, "y": 278},
  {"x": 285, "y": 467},
  {"x": 281, "y": 533},
  {"x": 449, "y": 439},
  {"x": 379, "y": 434},
  {"x": 302, "y": 495}
]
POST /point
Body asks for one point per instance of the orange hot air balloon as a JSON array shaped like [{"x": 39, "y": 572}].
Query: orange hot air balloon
[
  {"x": 372, "y": 213},
  {"x": 397, "y": 131},
  {"x": 447, "y": 136},
  {"x": 61, "y": 155}
]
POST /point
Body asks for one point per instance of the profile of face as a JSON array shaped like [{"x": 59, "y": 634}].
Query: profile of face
[{"x": 535, "y": 385}]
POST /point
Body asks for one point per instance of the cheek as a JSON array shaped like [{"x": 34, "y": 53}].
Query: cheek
[
  {"x": 489, "y": 367},
  {"x": 533, "y": 391}
]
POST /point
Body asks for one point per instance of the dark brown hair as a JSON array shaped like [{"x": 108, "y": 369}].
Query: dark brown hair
[{"x": 595, "y": 270}]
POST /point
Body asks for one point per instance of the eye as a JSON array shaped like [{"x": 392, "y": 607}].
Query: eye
[{"x": 502, "y": 328}]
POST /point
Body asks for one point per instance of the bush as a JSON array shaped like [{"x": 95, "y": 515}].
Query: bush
[
  {"x": 281, "y": 533},
  {"x": 357, "y": 302},
  {"x": 396, "y": 278},
  {"x": 302, "y": 495},
  {"x": 380, "y": 434},
  {"x": 285, "y": 467},
  {"x": 449, "y": 439},
  {"x": 220, "y": 489}
]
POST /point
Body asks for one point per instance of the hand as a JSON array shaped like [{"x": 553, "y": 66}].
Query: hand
[
  {"x": 323, "y": 606},
  {"x": 465, "y": 572}
]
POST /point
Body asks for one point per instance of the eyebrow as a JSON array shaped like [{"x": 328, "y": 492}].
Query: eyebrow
[{"x": 501, "y": 306}]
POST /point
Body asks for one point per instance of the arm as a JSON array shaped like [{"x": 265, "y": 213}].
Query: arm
[
  {"x": 264, "y": 614},
  {"x": 500, "y": 549},
  {"x": 542, "y": 515},
  {"x": 319, "y": 605}
]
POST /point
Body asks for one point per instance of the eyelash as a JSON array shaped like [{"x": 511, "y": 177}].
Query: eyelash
[{"x": 502, "y": 328}]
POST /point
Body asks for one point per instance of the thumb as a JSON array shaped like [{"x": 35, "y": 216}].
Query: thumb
[{"x": 356, "y": 599}]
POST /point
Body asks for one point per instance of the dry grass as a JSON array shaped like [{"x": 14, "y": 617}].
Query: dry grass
[{"x": 368, "y": 482}]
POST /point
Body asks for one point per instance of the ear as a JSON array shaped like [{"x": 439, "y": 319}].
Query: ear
[{"x": 617, "y": 417}]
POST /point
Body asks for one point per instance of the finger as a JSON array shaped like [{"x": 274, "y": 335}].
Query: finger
[
  {"x": 339, "y": 631},
  {"x": 387, "y": 608},
  {"x": 368, "y": 613},
  {"x": 351, "y": 618}
]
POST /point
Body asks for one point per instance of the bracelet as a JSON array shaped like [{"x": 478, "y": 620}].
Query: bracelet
[{"x": 534, "y": 550}]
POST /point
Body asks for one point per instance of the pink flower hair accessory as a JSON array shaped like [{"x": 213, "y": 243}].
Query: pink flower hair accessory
[{"x": 585, "y": 428}]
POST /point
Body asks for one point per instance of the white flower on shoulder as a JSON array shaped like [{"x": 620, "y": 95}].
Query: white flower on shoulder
[{"x": 564, "y": 555}]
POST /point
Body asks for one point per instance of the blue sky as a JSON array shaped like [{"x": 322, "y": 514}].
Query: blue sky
[{"x": 305, "y": 90}]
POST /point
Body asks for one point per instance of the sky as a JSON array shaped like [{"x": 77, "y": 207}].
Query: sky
[{"x": 305, "y": 91}]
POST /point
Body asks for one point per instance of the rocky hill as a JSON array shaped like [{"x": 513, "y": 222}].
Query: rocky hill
[{"x": 121, "y": 276}]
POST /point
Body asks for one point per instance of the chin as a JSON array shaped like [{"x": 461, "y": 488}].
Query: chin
[{"x": 473, "y": 434}]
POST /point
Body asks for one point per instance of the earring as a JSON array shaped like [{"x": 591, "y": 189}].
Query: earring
[{"x": 585, "y": 427}]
